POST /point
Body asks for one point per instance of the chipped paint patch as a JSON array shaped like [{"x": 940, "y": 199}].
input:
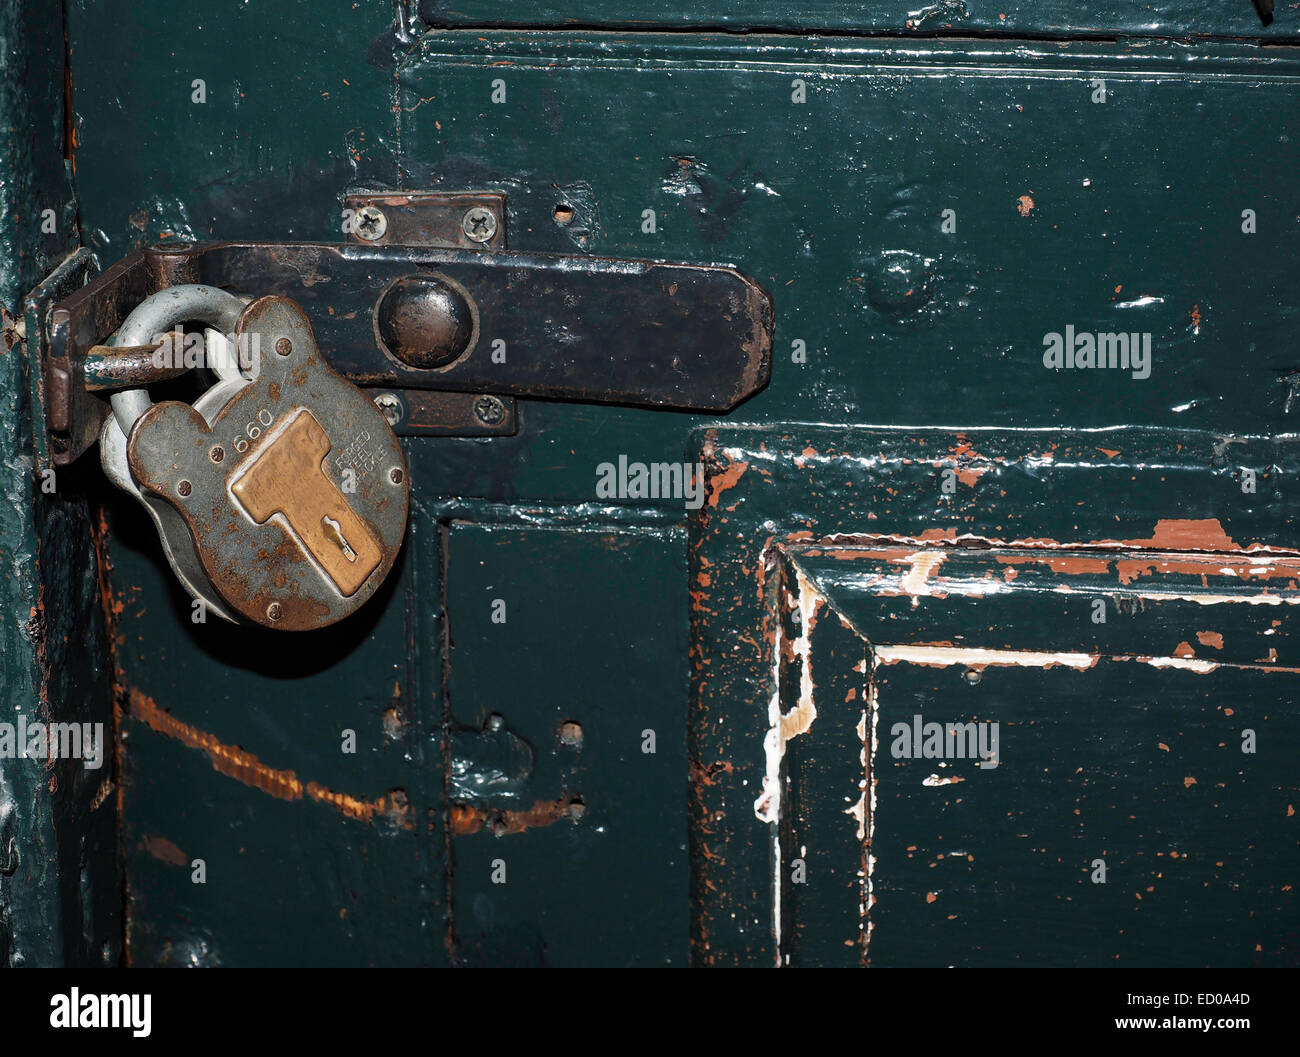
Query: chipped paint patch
[
  {"x": 1188, "y": 534},
  {"x": 934, "y": 780},
  {"x": 165, "y": 851},
  {"x": 728, "y": 478}
]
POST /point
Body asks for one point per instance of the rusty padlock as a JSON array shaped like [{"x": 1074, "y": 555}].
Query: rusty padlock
[{"x": 281, "y": 494}]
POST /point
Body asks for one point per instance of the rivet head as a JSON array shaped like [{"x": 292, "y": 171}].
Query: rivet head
[
  {"x": 898, "y": 283},
  {"x": 274, "y": 611}
]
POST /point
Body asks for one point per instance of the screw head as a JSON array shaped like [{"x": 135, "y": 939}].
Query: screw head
[
  {"x": 489, "y": 410},
  {"x": 284, "y": 346},
  {"x": 396, "y": 476},
  {"x": 369, "y": 223},
  {"x": 274, "y": 611},
  {"x": 184, "y": 488},
  {"x": 217, "y": 453},
  {"x": 391, "y": 406},
  {"x": 479, "y": 224}
]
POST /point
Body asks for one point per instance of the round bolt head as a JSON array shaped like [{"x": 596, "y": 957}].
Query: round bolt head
[
  {"x": 479, "y": 224},
  {"x": 424, "y": 321},
  {"x": 370, "y": 224}
]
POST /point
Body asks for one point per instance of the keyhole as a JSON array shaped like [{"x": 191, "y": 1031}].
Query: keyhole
[{"x": 335, "y": 533}]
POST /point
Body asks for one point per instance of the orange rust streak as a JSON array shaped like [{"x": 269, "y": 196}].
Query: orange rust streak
[
  {"x": 466, "y": 818},
  {"x": 245, "y": 767},
  {"x": 229, "y": 760},
  {"x": 1210, "y": 638}
]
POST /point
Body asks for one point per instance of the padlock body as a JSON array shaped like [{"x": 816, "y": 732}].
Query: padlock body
[{"x": 295, "y": 494}]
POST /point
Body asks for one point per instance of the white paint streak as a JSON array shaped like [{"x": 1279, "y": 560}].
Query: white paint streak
[
  {"x": 943, "y": 656},
  {"x": 784, "y": 727},
  {"x": 1190, "y": 664},
  {"x": 858, "y": 809},
  {"x": 916, "y": 582}
]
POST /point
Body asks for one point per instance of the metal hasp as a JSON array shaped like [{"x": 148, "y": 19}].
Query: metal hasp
[{"x": 467, "y": 323}]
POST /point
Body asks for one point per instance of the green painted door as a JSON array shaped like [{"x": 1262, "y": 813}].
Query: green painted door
[{"x": 1033, "y": 282}]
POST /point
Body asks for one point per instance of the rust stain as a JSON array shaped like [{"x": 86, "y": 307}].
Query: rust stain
[
  {"x": 1184, "y": 649},
  {"x": 1025, "y": 204},
  {"x": 1110, "y": 453},
  {"x": 165, "y": 851},
  {"x": 1210, "y": 638},
  {"x": 1188, "y": 782},
  {"x": 245, "y": 767},
  {"x": 468, "y": 818}
]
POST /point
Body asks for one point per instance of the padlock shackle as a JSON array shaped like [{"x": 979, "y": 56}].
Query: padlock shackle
[{"x": 160, "y": 312}]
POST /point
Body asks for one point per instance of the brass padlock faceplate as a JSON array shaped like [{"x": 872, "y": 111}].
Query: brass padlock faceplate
[
  {"x": 285, "y": 476},
  {"x": 296, "y": 495}
]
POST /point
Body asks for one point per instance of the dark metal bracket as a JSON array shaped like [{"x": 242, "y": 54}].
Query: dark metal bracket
[{"x": 451, "y": 334}]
